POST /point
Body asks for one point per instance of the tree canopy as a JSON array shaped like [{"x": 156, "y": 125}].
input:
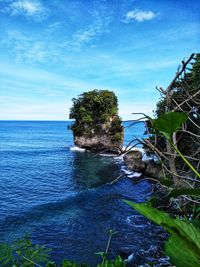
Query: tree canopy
[
  {"x": 94, "y": 107},
  {"x": 185, "y": 88},
  {"x": 183, "y": 95}
]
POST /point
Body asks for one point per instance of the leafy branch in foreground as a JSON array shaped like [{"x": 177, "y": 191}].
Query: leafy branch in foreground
[
  {"x": 169, "y": 123},
  {"x": 105, "y": 254},
  {"x": 183, "y": 245},
  {"x": 23, "y": 253},
  {"x": 166, "y": 126}
]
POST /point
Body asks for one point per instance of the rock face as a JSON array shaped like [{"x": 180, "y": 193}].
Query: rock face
[
  {"x": 152, "y": 169},
  {"x": 134, "y": 162},
  {"x": 98, "y": 143},
  {"x": 97, "y": 126},
  {"x": 102, "y": 137}
]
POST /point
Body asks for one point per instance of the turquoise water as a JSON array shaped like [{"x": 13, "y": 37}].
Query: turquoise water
[{"x": 62, "y": 198}]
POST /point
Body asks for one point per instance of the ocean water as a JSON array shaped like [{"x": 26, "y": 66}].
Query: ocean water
[{"x": 62, "y": 197}]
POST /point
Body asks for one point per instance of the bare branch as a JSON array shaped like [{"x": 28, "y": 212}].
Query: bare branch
[{"x": 179, "y": 72}]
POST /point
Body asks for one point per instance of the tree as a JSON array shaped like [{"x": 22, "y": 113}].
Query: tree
[{"x": 183, "y": 95}]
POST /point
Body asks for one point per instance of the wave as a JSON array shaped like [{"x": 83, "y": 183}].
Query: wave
[
  {"x": 77, "y": 149},
  {"x": 142, "y": 150},
  {"x": 153, "y": 254},
  {"x": 138, "y": 221},
  {"x": 129, "y": 173},
  {"x": 135, "y": 175}
]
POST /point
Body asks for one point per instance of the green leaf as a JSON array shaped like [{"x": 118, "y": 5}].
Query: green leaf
[
  {"x": 185, "y": 237},
  {"x": 119, "y": 262},
  {"x": 184, "y": 191},
  {"x": 196, "y": 222},
  {"x": 169, "y": 123},
  {"x": 6, "y": 255},
  {"x": 180, "y": 254},
  {"x": 101, "y": 254},
  {"x": 67, "y": 263},
  {"x": 51, "y": 264}
]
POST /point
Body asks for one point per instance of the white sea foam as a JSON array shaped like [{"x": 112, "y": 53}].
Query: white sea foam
[
  {"x": 77, "y": 149},
  {"x": 130, "y": 257},
  {"x": 134, "y": 175},
  {"x": 119, "y": 159},
  {"x": 136, "y": 220},
  {"x": 142, "y": 150},
  {"x": 129, "y": 173},
  {"x": 107, "y": 154},
  {"x": 126, "y": 171}
]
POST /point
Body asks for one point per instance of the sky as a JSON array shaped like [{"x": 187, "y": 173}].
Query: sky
[{"x": 54, "y": 50}]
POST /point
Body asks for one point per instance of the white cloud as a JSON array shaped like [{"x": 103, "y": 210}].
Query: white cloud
[
  {"x": 139, "y": 15},
  {"x": 44, "y": 48},
  {"x": 27, "y": 8},
  {"x": 93, "y": 31},
  {"x": 27, "y": 48}
]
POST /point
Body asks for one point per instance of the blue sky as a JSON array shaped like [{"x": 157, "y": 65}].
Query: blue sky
[{"x": 52, "y": 51}]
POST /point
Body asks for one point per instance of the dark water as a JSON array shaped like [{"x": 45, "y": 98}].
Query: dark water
[{"x": 63, "y": 198}]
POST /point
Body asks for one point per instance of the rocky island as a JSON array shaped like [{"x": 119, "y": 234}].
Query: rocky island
[{"x": 97, "y": 126}]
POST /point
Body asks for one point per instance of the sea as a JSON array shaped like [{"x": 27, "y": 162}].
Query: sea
[{"x": 63, "y": 197}]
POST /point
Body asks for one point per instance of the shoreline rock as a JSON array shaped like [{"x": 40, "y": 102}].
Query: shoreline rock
[{"x": 133, "y": 160}]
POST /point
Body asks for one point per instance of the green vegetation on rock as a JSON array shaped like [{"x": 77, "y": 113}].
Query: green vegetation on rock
[{"x": 94, "y": 106}]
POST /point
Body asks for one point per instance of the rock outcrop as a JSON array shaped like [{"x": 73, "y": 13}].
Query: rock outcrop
[
  {"x": 97, "y": 126},
  {"x": 134, "y": 162}
]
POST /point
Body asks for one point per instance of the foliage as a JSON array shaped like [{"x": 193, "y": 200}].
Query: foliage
[
  {"x": 169, "y": 123},
  {"x": 184, "y": 95},
  {"x": 95, "y": 105},
  {"x": 189, "y": 83},
  {"x": 185, "y": 191},
  {"x": 92, "y": 109},
  {"x": 183, "y": 245},
  {"x": 23, "y": 253},
  {"x": 117, "y": 262}
]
